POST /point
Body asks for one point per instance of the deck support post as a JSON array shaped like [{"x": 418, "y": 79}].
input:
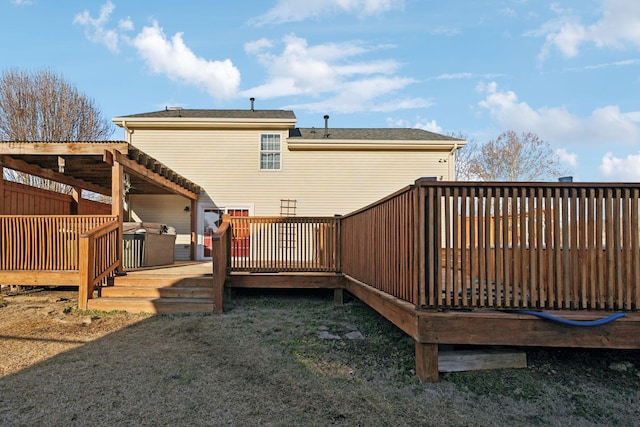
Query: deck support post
[
  {"x": 427, "y": 362},
  {"x": 338, "y": 296}
]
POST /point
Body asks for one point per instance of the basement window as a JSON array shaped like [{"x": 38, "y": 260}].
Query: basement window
[{"x": 270, "y": 151}]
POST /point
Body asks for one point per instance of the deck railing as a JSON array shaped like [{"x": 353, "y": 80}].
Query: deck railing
[
  {"x": 540, "y": 245},
  {"x": 44, "y": 243},
  {"x": 98, "y": 251},
  {"x": 448, "y": 245},
  {"x": 378, "y": 245},
  {"x": 284, "y": 244}
]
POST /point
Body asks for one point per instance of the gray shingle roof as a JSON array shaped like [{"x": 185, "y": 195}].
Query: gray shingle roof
[
  {"x": 387, "y": 134},
  {"x": 217, "y": 114}
]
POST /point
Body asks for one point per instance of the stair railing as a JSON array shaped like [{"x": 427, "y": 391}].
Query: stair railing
[{"x": 98, "y": 258}]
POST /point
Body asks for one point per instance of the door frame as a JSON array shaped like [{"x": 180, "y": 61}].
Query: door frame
[{"x": 200, "y": 222}]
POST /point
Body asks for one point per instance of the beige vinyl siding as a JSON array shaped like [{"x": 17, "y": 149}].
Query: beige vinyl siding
[
  {"x": 169, "y": 210},
  {"x": 226, "y": 164}
]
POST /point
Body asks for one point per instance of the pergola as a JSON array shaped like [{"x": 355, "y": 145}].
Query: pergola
[{"x": 99, "y": 167}]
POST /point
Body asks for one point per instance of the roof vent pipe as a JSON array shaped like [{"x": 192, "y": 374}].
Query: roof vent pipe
[
  {"x": 252, "y": 101},
  {"x": 326, "y": 126}
]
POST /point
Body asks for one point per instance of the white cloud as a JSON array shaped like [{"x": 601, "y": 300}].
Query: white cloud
[
  {"x": 442, "y": 30},
  {"x": 455, "y": 76},
  {"x": 619, "y": 27},
  {"x": 615, "y": 64},
  {"x": 557, "y": 125},
  {"x": 419, "y": 123},
  {"x": 297, "y": 10},
  {"x": 332, "y": 70},
  {"x": 22, "y": 2},
  {"x": 125, "y": 24},
  {"x": 467, "y": 76},
  {"x": 174, "y": 59},
  {"x": 95, "y": 29},
  {"x": 621, "y": 169},
  {"x": 254, "y": 47},
  {"x": 569, "y": 159}
]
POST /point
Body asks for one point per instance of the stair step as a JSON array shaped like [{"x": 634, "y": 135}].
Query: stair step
[
  {"x": 158, "y": 292},
  {"x": 152, "y": 305},
  {"x": 159, "y": 281}
]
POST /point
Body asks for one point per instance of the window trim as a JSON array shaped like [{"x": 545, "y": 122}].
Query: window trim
[{"x": 261, "y": 152}]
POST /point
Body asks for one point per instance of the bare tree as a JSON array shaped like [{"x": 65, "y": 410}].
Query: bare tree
[
  {"x": 510, "y": 157},
  {"x": 43, "y": 107}
]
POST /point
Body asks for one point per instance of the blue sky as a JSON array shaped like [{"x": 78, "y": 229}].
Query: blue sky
[{"x": 568, "y": 71}]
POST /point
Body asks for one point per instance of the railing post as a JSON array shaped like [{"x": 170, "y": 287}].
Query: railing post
[
  {"x": 420, "y": 224},
  {"x": 337, "y": 243},
  {"x": 221, "y": 248},
  {"x": 86, "y": 262},
  {"x": 1, "y": 187}
]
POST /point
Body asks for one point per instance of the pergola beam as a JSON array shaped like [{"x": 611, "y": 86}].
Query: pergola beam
[
  {"x": 61, "y": 148},
  {"x": 22, "y": 166},
  {"x": 157, "y": 178}
]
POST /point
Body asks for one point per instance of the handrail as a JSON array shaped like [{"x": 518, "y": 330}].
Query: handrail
[
  {"x": 98, "y": 250},
  {"x": 100, "y": 230}
]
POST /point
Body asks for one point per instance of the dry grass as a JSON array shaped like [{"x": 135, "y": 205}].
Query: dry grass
[{"x": 263, "y": 363}]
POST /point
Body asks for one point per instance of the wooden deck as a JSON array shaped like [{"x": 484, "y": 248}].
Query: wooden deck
[{"x": 448, "y": 263}]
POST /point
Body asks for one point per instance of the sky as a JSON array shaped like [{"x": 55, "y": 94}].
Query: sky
[{"x": 567, "y": 71}]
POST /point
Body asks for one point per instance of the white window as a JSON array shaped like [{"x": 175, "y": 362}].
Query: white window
[{"x": 270, "y": 151}]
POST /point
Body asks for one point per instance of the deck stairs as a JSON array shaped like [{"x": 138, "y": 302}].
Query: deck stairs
[{"x": 161, "y": 291}]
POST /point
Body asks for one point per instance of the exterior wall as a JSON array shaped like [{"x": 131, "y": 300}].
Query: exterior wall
[
  {"x": 169, "y": 210},
  {"x": 226, "y": 164}
]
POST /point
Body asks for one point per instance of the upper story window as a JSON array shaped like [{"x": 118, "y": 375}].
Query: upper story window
[{"x": 270, "y": 151}]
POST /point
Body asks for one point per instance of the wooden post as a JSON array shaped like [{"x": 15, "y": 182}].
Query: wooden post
[
  {"x": 117, "y": 205},
  {"x": 194, "y": 228},
  {"x": 338, "y": 296},
  {"x": 220, "y": 246},
  {"x": 75, "y": 204},
  {"x": 1, "y": 188},
  {"x": 86, "y": 260},
  {"x": 427, "y": 362}
]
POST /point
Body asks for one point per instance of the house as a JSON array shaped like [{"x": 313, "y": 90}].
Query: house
[{"x": 259, "y": 163}]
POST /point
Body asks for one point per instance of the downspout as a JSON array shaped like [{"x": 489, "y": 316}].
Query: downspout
[
  {"x": 452, "y": 163},
  {"x": 127, "y": 131}
]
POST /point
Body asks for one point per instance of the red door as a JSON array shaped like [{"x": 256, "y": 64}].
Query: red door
[{"x": 241, "y": 235}]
